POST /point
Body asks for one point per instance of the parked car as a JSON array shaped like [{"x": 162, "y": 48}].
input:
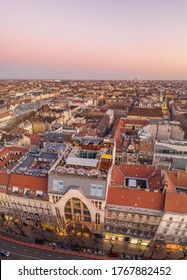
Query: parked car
[
  {"x": 5, "y": 253},
  {"x": 52, "y": 244},
  {"x": 113, "y": 254},
  {"x": 99, "y": 252},
  {"x": 39, "y": 241},
  {"x": 87, "y": 250},
  {"x": 126, "y": 257},
  {"x": 76, "y": 248},
  {"x": 137, "y": 258},
  {"x": 63, "y": 246}
]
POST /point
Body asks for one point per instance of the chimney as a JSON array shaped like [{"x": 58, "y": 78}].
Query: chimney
[
  {"x": 186, "y": 169},
  {"x": 177, "y": 174}
]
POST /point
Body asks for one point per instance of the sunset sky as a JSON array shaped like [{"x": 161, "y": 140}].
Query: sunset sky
[{"x": 93, "y": 39}]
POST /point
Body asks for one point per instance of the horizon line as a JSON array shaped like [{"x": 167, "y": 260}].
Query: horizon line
[{"x": 88, "y": 79}]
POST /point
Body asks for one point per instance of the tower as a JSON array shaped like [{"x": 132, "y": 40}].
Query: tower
[{"x": 164, "y": 105}]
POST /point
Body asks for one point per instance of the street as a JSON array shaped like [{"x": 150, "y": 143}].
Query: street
[{"x": 21, "y": 252}]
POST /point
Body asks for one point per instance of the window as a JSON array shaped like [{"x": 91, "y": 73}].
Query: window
[
  {"x": 57, "y": 212},
  {"x": 132, "y": 183},
  {"x": 58, "y": 185},
  {"x": 97, "y": 221},
  {"x": 109, "y": 213},
  {"x": 97, "y": 204},
  {"x": 96, "y": 190}
]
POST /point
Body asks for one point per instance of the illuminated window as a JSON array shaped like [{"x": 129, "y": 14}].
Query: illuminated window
[
  {"x": 77, "y": 211},
  {"x": 97, "y": 221},
  {"x": 57, "y": 212}
]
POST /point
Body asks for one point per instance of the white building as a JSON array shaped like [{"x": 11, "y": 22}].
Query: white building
[
  {"x": 173, "y": 226},
  {"x": 170, "y": 153}
]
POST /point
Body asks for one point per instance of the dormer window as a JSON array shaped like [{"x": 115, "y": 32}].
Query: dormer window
[
  {"x": 96, "y": 190},
  {"x": 58, "y": 185}
]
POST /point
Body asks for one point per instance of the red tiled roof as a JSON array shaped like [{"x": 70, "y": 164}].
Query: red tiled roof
[
  {"x": 176, "y": 178},
  {"x": 5, "y": 150},
  {"x": 146, "y": 172},
  {"x": 137, "y": 171},
  {"x": 176, "y": 202},
  {"x": 155, "y": 181},
  {"x": 23, "y": 181},
  {"x": 117, "y": 133},
  {"x": 9, "y": 157},
  {"x": 138, "y": 122},
  {"x": 4, "y": 115},
  {"x": 34, "y": 139},
  {"x": 83, "y": 124},
  {"x": 135, "y": 198},
  {"x": 78, "y": 101},
  {"x": 146, "y": 112},
  {"x": 45, "y": 108},
  {"x": 146, "y": 147},
  {"x": 117, "y": 176},
  {"x": 118, "y": 124}
]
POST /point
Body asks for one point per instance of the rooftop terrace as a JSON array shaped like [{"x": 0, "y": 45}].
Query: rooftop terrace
[{"x": 36, "y": 164}]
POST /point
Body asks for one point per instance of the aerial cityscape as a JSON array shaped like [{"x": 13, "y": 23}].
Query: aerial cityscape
[
  {"x": 93, "y": 130},
  {"x": 104, "y": 161}
]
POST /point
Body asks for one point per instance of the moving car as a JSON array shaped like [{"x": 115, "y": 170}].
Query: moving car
[{"x": 5, "y": 253}]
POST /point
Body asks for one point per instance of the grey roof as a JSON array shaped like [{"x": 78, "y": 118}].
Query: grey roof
[
  {"x": 56, "y": 146},
  {"x": 48, "y": 155},
  {"x": 82, "y": 161},
  {"x": 54, "y": 136},
  {"x": 179, "y": 163}
]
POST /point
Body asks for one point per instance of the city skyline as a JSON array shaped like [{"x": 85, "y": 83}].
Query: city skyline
[{"x": 100, "y": 40}]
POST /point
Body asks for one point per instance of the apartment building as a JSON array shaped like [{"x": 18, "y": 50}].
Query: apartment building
[
  {"x": 134, "y": 205},
  {"x": 173, "y": 225},
  {"x": 162, "y": 131},
  {"x": 170, "y": 154},
  {"x": 144, "y": 113},
  {"x": 24, "y": 185}
]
